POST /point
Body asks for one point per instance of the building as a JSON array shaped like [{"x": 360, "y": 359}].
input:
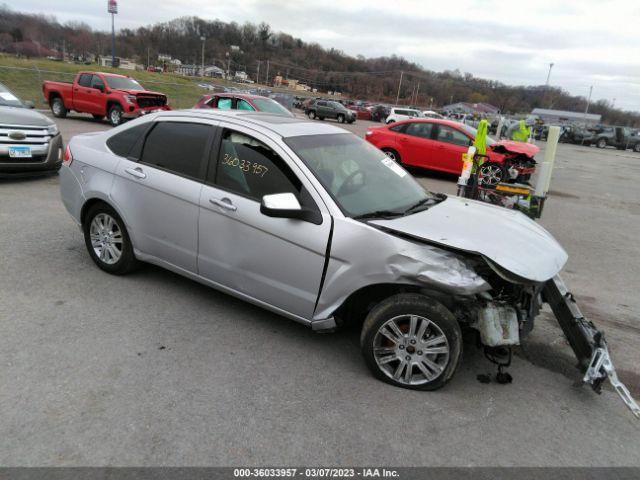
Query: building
[
  {"x": 125, "y": 63},
  {"x": 196, "y": 71},
  {"x": 561, "y": 117},
  {"x": 484, "y": 109},
  {"x": 241, "y": 76}
]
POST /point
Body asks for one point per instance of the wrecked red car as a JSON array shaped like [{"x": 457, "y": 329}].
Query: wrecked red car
[{"x": 437, "y": 144}]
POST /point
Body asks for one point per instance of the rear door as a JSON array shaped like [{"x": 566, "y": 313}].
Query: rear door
[
  {"x": 417, "y": 145},
  {"x": 82, "y": 93},
  {"x": 450, "y": 144},
  {"x": 159, "y": 191},
  {"x": 275, "y": 261}
]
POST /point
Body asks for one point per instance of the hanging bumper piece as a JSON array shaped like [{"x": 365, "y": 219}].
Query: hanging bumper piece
[{"x": 586, "y": 341}]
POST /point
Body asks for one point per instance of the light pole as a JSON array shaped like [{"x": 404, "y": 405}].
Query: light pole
[
  {"x": 549, "y": 74},
  {"x": 202, "y": 70},
  {"x": 112, "y": 8},
  {"x": 586, "y": 110}
]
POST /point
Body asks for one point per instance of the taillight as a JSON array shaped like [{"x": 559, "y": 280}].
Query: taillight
[{"x": 67, "y": 158}]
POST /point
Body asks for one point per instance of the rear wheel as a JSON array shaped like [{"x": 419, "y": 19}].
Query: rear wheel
[
  {"x": 115, "y": 115},
  {"x": 340, "y": 118},
  {"x": 491, "y": 174},
  {"x": 392, "y": 154},
  {"x": 107, "y": 240},
  {"x": 411, "y": 341},
  {"x": 57, "y": 108},
  {"x": 636, "y": 147}
]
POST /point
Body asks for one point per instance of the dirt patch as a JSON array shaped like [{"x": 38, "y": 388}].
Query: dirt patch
[{"x": 555, "y": 193}]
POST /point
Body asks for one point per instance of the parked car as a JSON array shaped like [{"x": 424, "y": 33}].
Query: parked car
[
  {"x": 322, "y": 109},
  {"x": 315, "y": 224},
  {"x": 397, "y": 114},
  {"x": 379, "y": 113},
  {"x": 242, "y": 101},
  {"x": 362, "y": 113},
  {"x": 439, "y": 144},
  {"x": 30, "y": 143},
  {"x": 116, "y": 96},
  {"x": 619, "y": 137},
  {"x": 431, "y": 114}
]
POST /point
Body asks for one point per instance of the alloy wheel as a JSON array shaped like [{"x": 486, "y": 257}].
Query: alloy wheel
[
  {"x": 411, "y": 350},
  {"x": 491, "y": 175},
  {"x": 115, "y": 116},
  {"x": 106, "y": 238}
]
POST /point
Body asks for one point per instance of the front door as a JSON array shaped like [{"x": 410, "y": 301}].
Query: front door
[
  {"x": 276, "y": 261},
  {"x": 159, "y": 195},
  {"x": 451, "y": 143}
]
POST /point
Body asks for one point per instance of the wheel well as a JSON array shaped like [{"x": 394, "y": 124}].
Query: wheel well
[
  {"x": 357, "y": 305},
  {"x": 53, "y": 96},
  {"x": 111, "y": 103},
  {"x": 87, "y": 205}
]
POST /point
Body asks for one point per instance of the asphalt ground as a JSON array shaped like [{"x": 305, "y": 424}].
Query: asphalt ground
[{"x": 154, "y": 369}]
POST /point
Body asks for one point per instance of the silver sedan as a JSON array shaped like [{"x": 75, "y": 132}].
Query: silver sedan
[{"x": 313, "y": 223}]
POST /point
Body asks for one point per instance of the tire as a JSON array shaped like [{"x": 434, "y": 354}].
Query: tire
[
  {"x": 393, "y": 155},
  {"x": 340, "y": 118},
  {"x": 57, "y": 108},
  {"x": 115, "y": 115},
  {"x": 398, "y": 355},
  {"x": 97, "y": 117},
  {"x": 312, "y": 115},
  {"x": 389, "y": 122},
  {"x": 321, "y": 118},
  {"x": 102, "y": 224},
  {"x": 491, "y": 174},
  {"x": 602, "y": 143},
  {"x": 636, "y": 147}
]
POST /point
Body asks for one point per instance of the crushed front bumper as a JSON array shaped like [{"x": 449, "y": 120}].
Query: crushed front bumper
[{"x": 587, "y": 342}]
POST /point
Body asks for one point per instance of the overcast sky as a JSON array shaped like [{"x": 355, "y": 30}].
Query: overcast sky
[{"x": 591, "y": 42}]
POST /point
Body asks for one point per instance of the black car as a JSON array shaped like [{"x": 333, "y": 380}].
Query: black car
[
  {"x": 30, "y": 143},
  {"x": 322, "y": 109}
]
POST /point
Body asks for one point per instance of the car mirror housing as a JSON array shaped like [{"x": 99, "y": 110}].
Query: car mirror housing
[{"x": 286, "y": 205}]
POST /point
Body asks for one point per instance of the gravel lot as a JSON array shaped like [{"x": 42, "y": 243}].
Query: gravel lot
[{"x": 154, "y": 369}]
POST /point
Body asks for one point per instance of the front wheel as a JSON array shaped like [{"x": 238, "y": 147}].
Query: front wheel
[
  {"x": 115, "y": 115},
  {"x": 107, "y": 240},
  {"x": 636, "y": 147},
  {"x": 393, "y": 155},
  {"x": 312, "y": 115},
  {"x": 491, "y": 174},
  {"x": 340, "y": 118},
  {"x": 411, "y": 341},
  {"x": 602, "y": 143}
]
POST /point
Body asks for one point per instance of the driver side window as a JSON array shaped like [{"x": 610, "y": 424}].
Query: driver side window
[
  {"x": 248, "y": 167},
  {"x": 451, "y": 135}
]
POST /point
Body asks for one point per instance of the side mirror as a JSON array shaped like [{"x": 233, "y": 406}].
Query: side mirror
[
  {"x": 286, "y": 205},
  {"x": 100, "y": 87},
  {"x": 29, "y": 104}
]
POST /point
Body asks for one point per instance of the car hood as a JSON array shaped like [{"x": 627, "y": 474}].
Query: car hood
[
  {"x": 527, "y": 149},
  {"x": 23, "y": 116},
  {"x": 141, "y": 92},
  {"x": 505, "y": 237}
]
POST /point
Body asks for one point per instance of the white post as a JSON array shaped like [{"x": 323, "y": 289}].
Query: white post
[
  {"x": 546, "y": 169},
  {"x": 500, "y": 124}
]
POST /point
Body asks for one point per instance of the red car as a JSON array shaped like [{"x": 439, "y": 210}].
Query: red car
[
  {"x": 242, "y": 101},
  {"x": 438, "y": 144},
  {"x": 362, "y": 113},
  {"x": 116, "y": 96}
]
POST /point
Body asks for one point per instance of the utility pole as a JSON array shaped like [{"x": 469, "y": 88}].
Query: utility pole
[
  {"x": 258, "y": 74},
  {"x": 586, "y": 110},
  {"x": 546, "y": 85},
  {"x": 203, "y": 38},
  {"x": 266, "y": 80},
  {"x": 399, "y": 85},
  {"x": 228, "y": 66},
  {"x": 148, "y": 59},
  {"x": 417, "y": 91}
]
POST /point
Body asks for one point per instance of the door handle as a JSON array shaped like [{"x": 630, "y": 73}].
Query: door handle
[
  {"x": 224, "y": 203},
  {"x": 136, "y": 172}
]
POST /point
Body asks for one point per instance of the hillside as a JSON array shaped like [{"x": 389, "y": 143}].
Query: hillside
[{"x": 326, "y": 69}]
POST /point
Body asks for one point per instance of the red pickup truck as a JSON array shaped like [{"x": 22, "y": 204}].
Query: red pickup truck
[{"x": 116, "y": 96}]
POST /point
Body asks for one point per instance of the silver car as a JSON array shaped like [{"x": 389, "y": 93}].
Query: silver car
[{"x": 314, "y": 223}]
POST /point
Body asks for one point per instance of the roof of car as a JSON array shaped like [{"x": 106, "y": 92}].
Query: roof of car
[
  {"x": 441, "y": 121},
  {"x": 279, "y": 124}
]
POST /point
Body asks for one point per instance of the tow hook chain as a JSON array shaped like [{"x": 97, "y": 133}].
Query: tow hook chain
[{"x": 600, "y": 367}]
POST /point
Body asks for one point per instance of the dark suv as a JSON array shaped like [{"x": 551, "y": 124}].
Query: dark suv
[{"x": 322, "y": 109}]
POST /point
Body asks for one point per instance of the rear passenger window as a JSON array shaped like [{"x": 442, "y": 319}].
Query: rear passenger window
[
  {"x": 250, "y": 168},
  {"x": 178, "y": 147},
  {"x": 122, "y": 143}
]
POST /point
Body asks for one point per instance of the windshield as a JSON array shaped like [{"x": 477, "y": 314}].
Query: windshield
[
  {"x": 473, "y": 132},
  {"x": 8, "y": 99},
  {"x": 271, "y": 106},
  {"x": 123, "y": 83},
  {"x": 337, "y": 105},
  {"x": 360, "y": 178}
]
